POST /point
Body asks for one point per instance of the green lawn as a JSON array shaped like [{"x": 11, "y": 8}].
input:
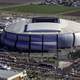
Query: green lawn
[{"x": 48, "y": 9}]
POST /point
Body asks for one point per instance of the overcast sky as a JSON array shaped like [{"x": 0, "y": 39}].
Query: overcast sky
[{"x": 17, "y": 1}]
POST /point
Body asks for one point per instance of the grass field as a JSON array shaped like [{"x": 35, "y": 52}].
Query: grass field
[{"x": 44, "y": 9}]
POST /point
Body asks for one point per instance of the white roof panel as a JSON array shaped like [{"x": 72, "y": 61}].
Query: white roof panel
[
  {"x": 43, "y": 26},
  {"x": 7, "y": 73}
]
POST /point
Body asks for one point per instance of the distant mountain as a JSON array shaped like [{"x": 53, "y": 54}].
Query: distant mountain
[{"x": 18, "y": 1}]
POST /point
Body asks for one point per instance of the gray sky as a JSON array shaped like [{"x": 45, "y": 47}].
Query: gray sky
[{"x": 17, "y": 1}]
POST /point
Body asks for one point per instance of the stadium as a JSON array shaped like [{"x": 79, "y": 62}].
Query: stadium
[{"x": 41, "y": 34}]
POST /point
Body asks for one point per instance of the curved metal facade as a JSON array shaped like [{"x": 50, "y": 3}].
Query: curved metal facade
[{"x": 40, "y": 43}]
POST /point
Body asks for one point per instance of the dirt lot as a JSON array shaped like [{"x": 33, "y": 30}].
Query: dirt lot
[{"x": 73, "y": 14}]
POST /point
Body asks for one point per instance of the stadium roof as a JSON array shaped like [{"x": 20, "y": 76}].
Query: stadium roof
[{"x": 64, "y": 26}]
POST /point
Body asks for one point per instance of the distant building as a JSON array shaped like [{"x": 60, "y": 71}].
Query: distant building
[{"x": 12, "y": 75}]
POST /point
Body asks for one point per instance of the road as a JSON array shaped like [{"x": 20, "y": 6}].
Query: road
[{"x": 17, "y": 5}]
